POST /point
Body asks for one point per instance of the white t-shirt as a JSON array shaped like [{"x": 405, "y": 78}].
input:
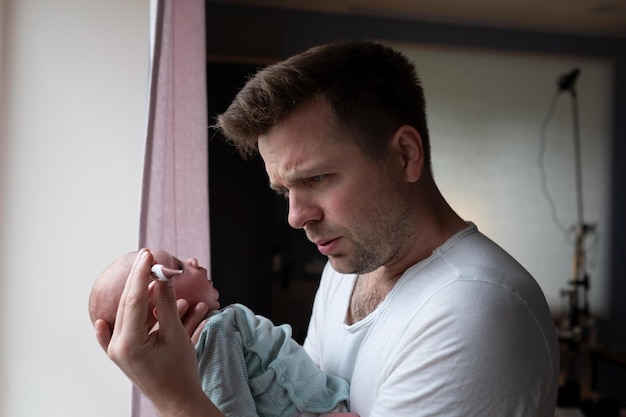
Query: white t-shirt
[{"x": 466, "y": 332}]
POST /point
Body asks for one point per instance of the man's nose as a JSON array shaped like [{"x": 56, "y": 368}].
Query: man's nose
[{"x": 302, "y": 209}]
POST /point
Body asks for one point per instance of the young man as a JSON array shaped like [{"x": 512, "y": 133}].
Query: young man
[{"x": 419, "y": 311}]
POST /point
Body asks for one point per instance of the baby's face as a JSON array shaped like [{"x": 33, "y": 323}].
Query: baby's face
[{"x": 193, "y": 284}]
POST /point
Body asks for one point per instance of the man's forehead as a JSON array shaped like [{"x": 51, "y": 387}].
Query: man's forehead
[{"x": 304, "y": 160}]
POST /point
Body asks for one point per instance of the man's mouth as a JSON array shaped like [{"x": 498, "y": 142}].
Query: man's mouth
[{"x": 327, "y": 246}]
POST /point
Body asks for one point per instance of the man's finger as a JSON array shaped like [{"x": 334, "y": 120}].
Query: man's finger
[
  {"x": 196, "y": 333},
  {"x": 133, "y": 306},
  {"x": 194, "y": 317},
  {"x": 167, "y": 310},
  {"x": 183, "y": 307}
]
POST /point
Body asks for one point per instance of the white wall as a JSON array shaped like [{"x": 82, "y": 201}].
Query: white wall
[
  {"x": 74, "y": 80},
  {"x": 486, "y": 109}
]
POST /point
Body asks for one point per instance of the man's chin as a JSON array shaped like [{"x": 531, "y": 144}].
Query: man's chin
[{"x": 342, "y": 265}]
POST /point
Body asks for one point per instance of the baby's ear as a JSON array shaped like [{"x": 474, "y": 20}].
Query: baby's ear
[{"x": 104, "y": 331}]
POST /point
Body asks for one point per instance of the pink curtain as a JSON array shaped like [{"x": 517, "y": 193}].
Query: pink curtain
[{"x": 175, "y": 202}]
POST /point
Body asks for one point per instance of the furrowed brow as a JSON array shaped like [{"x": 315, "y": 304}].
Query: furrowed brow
[{"x": 296, "y": 175}]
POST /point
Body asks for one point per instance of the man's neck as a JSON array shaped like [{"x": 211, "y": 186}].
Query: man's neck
[{"x": 370, "y": 289}]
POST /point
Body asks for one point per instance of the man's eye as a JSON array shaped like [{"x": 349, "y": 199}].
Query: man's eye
[{"x": 317, "y": 178}]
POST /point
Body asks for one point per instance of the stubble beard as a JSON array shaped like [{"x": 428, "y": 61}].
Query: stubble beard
[
  {"x": 381, "y": 237},
  {"x": 379, "y": 245}
]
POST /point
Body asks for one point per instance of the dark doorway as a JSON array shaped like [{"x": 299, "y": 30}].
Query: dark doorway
[
  {"x": 241, "y": 205},
  {"x": 256, "y": 258}
]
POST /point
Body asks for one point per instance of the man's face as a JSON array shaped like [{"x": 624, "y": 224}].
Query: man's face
[{"x": 354, "y": 209}]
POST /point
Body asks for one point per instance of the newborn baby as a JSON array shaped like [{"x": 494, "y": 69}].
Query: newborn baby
[{"x": 247, "y": 366}]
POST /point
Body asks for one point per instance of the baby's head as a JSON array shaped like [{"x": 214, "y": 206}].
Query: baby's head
[{"x": 192, "y": 285}]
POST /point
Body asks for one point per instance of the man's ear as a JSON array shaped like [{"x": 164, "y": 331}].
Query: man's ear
[{"x": 407, "y": 145}]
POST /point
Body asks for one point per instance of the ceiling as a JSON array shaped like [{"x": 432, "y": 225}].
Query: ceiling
[{"x": 585, "y": 17}]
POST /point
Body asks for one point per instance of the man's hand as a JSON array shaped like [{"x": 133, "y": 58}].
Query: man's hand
[{"x": 161, "y": 361}]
